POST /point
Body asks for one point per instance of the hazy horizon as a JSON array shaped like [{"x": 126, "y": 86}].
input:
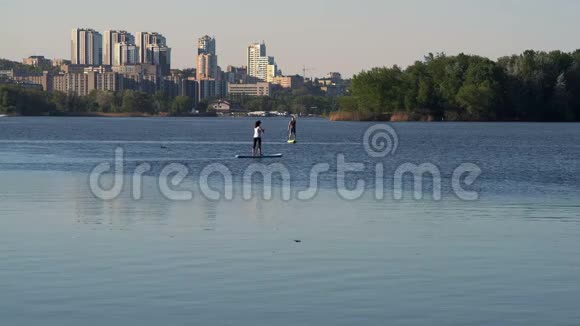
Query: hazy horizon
[{"x": 338, "y": 35}]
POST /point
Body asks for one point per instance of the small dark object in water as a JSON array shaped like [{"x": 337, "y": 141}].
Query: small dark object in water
[
  {"x": 163, "y": 147},
  {"x": 298, "y": 241}
]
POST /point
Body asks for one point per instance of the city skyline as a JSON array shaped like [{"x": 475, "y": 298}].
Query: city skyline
[{"x": 386, "y": 33}]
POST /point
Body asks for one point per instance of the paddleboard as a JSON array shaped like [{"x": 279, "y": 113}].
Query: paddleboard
[
  {"x": 263, "y": 156},
  {"x": 292, "y": 141}
]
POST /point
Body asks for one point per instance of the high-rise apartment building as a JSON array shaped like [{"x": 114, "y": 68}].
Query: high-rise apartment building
[
  {"x": 160, "y": 55},
  {"x": 256, "y": 53},
  {"x": 261, "y": 66},
  {"x": 206, "y": 45},
  {"x": 86, "y": 47},
  {"x": 207, "y": 67},
  {"x": 207, "y": 60},
  {"x": 144, "y": 41},
  {"x": 153, "y": 50},
  {"x": 111, "y": 39},
  {"x": 125, "y": 54},
  {"x": 271, "y": 72}
]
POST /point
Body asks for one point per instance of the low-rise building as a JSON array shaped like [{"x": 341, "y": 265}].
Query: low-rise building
[
  {"x": 44, "y": 80},
  {"x": 223, "y": 107},
  {"x": 9, "y": 73},
  {"x": 82, "y": 84},
  {"x": 81, "y": 80},
  {"x": 211, "y": 88},
  {"x": 37, "y": 61},
  {"x": 141, "y": 69},
  {"x": 107, "y": 81},
  {"x": 60, "y": 62},
  {"x": 190, "y": 88},
  {"x": 73, "y": 69},
  {"x": 336, "y": 77},
  {"x": 59, "y": 83},
  {"x": 249, "y": 90},
  {"x": 291, "y": 82}
]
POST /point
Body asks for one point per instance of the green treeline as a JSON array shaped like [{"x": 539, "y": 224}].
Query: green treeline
[
  {"x": 25, "y": 101},
  {"x": 19, "y": 100},
  {"x": 533, "y": 86},
  {"x": 305, "y": 100}
]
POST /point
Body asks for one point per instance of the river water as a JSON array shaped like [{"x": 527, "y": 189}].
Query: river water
[{"x": 68, "y": 257}]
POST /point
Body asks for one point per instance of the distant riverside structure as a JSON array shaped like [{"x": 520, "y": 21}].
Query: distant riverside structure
[
  {"x": 249, "y": 90},
  {"x": 86, "y": 47},
  {"x": 207, "y": 60},
  {"x": 336, "y": 77},
  {"x": 290, "y": 82},
  {"x": 82, "y": 80},
  {"x": 153, "y": 49},
  {"x": 212, "y": 88},
  {"x": 237, "y": 75},
  {"x": 60, "y": 62},
  {"x": 332, "y": 85},
  {"x": 36, "y": 61},
  {"x": 110, "y": 50},
  {"x": 260, "y": 65}
]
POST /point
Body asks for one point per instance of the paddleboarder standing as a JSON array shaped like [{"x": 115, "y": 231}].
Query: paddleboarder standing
[
  {"x": 292, "y": 129},
  {"x": 258, "y": 131}
]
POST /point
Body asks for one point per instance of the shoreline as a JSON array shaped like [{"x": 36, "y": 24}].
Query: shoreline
[
  {"x": 128, "y": 115},
  {"x": 110, "y": 115},
  {"x": 333, "y": 117},
  {"x": 417, "y": 116},
  {"x": 343, "y": 116}
]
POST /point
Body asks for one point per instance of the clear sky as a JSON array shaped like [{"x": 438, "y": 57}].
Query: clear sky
[{"x": 328, "y": 35}]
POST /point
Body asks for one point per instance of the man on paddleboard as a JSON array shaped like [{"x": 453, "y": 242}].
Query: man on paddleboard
[{"x": 292, "y": 129}]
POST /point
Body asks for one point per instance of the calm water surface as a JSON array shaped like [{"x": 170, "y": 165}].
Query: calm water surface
[{"x": 68, "y": 258}]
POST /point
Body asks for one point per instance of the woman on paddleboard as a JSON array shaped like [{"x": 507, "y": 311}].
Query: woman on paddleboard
[{"x": 258, "y": 131}]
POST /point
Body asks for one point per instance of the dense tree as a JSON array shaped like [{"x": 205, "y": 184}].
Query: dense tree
[
  {"x": 202, "y": 105},
  {"x": 15, "y": 99},
  {"x": 300, "y": 100},
  {"x": 134, "y": 101},
  {"x": 102, "y": 101},
  {"x": 161, "y": 101},
  {"x": 19, "y": 100},
  {"x": 531, "y": 86},
  {"x": 181, "y": 105}
]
